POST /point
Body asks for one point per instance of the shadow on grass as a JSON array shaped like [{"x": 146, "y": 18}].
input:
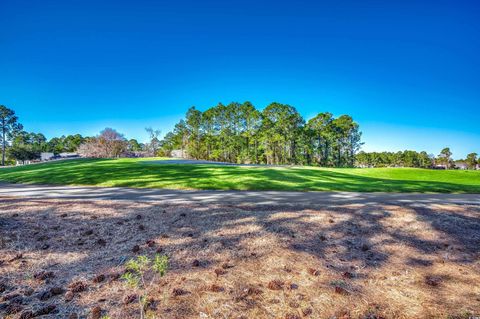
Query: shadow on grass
[{"x": 135, "y": 174}]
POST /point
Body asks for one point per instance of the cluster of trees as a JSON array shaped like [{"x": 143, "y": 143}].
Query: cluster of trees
[
  {"x": 413, "y": 159},
  {"x": 471, "y": 161},
  {"x": 26, "y": 146},
  {"x": 445, "y": 158},
  {"x": 23, "y": 146},
  {"x": 112, "y": 144},
  {"x": 9, "y": 126},
  {"x": 394, "y": 159},
  {"x": 64, "y": 144},
  {"x": 109, "y": 144},
  {"x": 39, "y": 143},
  {"x": 239, "y": 133}
]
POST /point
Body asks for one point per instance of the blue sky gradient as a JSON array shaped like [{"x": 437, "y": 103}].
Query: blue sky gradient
[{"x": 407, "y": 71}]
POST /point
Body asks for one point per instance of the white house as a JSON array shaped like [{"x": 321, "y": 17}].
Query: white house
[
  {"x": 45, "y": 156},
  {"x": 68, "y": 155},
  {"x": 461, "y": 165},
  {"x": 178, "y": 154}
]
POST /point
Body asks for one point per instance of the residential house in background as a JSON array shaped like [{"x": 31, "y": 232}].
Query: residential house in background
[
  {"x": 46, "y": 156},
  {"x": 460, "y": 165},
  {"x": 179, "y": 154},
  {"x": 68, "y": 155}
]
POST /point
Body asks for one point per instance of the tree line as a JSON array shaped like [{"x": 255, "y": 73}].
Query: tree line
[
  {"x": 392, "y": 159},
  {"x": 111, "y": 144},
  {"x": 414, "y": 159},
  {"x": 236, "y": 133},
  {"x": 239, "y": 133},
  {"x": 18, "y": 144},
  {"x": 27, "y": 146}
]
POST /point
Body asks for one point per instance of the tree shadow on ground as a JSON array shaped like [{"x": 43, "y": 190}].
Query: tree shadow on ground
[
  {"x": 136, "y": 174},
  {"x": 79, "y": 240}
]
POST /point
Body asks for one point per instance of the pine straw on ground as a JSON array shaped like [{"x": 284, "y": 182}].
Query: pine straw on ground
[{"x": 240, "y": 261}]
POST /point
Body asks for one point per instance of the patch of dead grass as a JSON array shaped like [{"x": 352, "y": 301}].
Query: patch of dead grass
[{"x": 241, "y": 261}]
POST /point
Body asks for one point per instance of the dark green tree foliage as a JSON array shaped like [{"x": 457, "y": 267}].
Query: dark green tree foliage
[
  {"x": 23, "y": 152},
  {"x": 445, "y": 157},
  {"x": 36, "y": 141},
  {"x": 319, "y": 136},
  {"x": 239, "y": 133},
  {"x": 167, "y": 145},
  {"x": 180, "y": 139},
  {"x": 194, "y": 121},
  {"x": 135, "y": 146},
  {"x": 65, "y": 144},
  {"x": 391, "y": 159},
  {"x": 27, "y": 146},
  {"x": 346, "y": 141},
  {"x": 471, "y": 160},
  {"x": 282, "y": 127},
  {"x": 9, "y": 126},
  {"x": 72, "y": 142}
]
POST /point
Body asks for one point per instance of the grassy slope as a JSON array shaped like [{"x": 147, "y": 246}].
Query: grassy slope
[{"x": 140, "y": 173}]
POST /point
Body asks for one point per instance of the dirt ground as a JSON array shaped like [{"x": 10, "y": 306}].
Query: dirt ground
[{"x": 65, "y": 258}]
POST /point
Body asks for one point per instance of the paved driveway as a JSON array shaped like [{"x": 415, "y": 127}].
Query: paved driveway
[
  {"x": 231, "y": 197},
  {"x": 192, "y": 161}
]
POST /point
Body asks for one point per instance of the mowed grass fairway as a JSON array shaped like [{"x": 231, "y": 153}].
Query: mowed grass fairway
[{"x": 144, "y": 173}]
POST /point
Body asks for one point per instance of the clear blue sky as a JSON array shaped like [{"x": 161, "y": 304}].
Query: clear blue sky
[{"x": 408, "y": 71}]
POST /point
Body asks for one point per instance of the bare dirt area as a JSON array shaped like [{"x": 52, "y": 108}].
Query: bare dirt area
[{"x": 65, "y": 259}]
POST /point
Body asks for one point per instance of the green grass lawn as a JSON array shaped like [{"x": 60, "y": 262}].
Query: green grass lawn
[{"x": 144, "y": 173}]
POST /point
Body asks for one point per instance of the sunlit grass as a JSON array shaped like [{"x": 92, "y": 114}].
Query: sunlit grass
[{"x": 144, "y": 173}]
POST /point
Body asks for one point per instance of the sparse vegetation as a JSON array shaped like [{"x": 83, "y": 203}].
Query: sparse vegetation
[{"x": 141, "y": 274}]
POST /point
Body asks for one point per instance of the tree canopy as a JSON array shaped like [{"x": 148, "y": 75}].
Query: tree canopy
[
  {"x": 239, "y": 133},
  {"x": 8, "y": 127},
  {"x": 236, "y": 133},
  {"x": 472, "y": 160},
  {"x": 395, "y": 159},
  {"x": 108, "y": 144}
]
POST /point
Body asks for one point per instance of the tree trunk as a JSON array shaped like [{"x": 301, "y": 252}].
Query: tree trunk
[
  {"x": 327, "y": 153},
  {"x": 319, "y": 151},
  {"x": 248, "y": 148},
  {"x": 4, "y": 143}
]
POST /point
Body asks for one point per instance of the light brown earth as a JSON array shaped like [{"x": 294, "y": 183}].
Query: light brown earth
[{"x": 241, "y": 261}]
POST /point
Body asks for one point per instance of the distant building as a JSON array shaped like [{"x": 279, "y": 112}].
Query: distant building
[
  {"x": 21, "y": 163},
  {"x": 179, "y": 154},
  {"x": 460, "y": 165},
  {"x": 45, "y": 156},
  {"x": 135, "y": 154},
  {"x": 68, "y": 155}
]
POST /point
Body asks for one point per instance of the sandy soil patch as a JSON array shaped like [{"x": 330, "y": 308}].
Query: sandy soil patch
[{"x": 64, "y": 259}]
